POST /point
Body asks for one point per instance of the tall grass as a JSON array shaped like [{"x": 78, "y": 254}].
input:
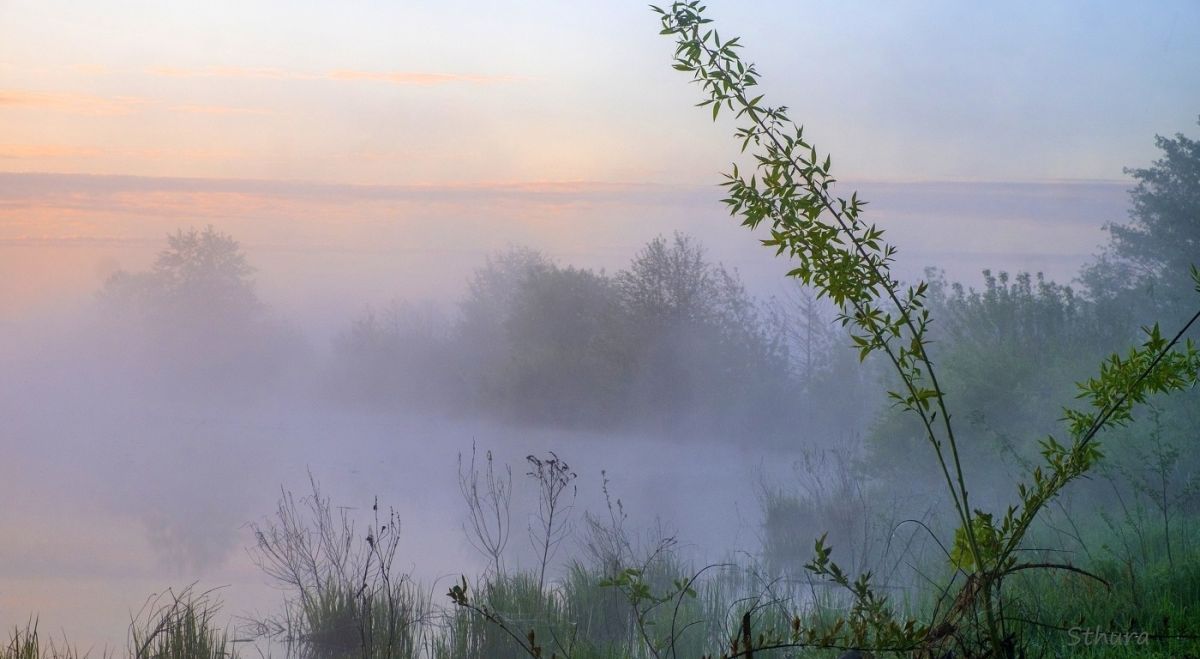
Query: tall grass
[
  {"x": 26, "y": 643},
  {"x": 524, "y": 606},
  {"x": 344, "y": 602},
  {"x": 1132, "y": 593},
  {"x": 343, "y": 621},
  {"x": 342, "y": 597},
  {"x": 179, "y": 626}
]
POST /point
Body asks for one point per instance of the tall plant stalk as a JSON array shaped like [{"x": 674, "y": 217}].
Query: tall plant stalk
[{"x": 847, "y": 260}]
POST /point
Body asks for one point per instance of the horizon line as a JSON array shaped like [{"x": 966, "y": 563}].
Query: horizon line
[{"x": 528, "y": 183}]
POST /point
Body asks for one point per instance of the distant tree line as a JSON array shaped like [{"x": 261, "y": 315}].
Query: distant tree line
[
  {"x": 672, "y": 343},
  {"x": 1013, "y": 349}
]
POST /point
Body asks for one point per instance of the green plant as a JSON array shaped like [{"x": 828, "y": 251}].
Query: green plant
[
  {"x": 848, "y": 261},
  {"x": 342, "y": 596},
  {"x": 179, "y": 626},
  {"x": 487, "y": 619},
  {"x": 26, "y": 643},
  {"x": 1139, "y": 268}
]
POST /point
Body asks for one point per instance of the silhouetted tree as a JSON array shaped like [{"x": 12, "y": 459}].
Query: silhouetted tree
[
  {"x": 1148, "y": 258},
  {"x": 481, "y": 334},
  {"x": 701, "y": 348},
  {"x": 199, "y": 274},
  {"x": 194, "y": 316},
  {"x": 569, "y": 358}
]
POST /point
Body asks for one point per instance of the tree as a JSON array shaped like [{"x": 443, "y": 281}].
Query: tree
[
  {"x": 671, "y": 282},
  {"x": 569, "y": 361},
  {"x": 702, "y": 349},
  {"x": 1150, "y": 254},
  {"x": 1009, "y": 352},
  {"x": 198, "y": 271},
  {"x": 196, "y": 316},
  {"x": 834, "y": 386},
  {"x": 481, "y": 331},
  {"x": 672, "y": 339},
  {"x": 848, "y": 260}
]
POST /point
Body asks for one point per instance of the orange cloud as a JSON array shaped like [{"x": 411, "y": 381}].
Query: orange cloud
[
  {"x": 229, "y": 72},
  {"x": 415, "y": 78},
  {"x": 107, "y": 106},
  {"x": 392, "y": 77},
  {"x": 217, "y": 109},
  {"x": 23, "y": 151},
  {"x": 215, "y": 153},
  {"x": 31, "y": 151},
  {"x": 92, "y": 69},
  {"x": 73, "y": 103}
]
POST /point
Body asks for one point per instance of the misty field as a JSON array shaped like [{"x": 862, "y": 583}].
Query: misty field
[{"x": 612, "y": 444}]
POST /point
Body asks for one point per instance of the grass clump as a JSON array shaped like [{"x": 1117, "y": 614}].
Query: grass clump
[
  {"x": 26, "y": 643},
  {"x": 180, "y": 626}
]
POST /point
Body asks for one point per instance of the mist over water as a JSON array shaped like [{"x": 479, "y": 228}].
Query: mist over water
[
  {"x": 283, "y": 284},
  {"x": 124, "y": 484},
  {"x": 136, "y": 455}
]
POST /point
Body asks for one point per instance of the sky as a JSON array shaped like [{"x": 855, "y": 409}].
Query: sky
[{"x": 413, "y": 130}]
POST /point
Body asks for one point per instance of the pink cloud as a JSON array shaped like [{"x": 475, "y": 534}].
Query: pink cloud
[
  {"x": 26, "y": 151},
  {"x": 217, "y": 109},
  {"x": 73, "y": 103},
  {"x": 107, "y": 106},
  {"x": 229, "y": 72},
  {"x": 31, "y": 151},
  {"x": 416, "y": 78},
  {"x": 392, "y": 77}
]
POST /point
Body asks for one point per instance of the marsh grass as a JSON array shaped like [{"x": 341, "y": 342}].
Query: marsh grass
[
  {"x": 23, "y": 643},
  {"x": 343, "y": 621},
  {"x": 26, "y": 643},
  {"x": 1160, "y": 597},
  {"x": 180, "y": 625},
  {"x": 576, "y": 616},
  {"x": 342, "y": 596},
  {"x": 343, "y": 601},
  {"x": 525, "y": 606}
]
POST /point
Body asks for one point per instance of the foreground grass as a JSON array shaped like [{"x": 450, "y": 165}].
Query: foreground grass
[{"x": 1145, "y": 611}]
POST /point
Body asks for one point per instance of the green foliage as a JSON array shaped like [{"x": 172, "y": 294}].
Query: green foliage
[
  {"x": 1128, "y": 593},
  {"x": 830, "y": 493},
  {"x": 847, "y": 260},
  {"x": 342, "y": 596},
  {"x": 564, "y": 344},
  {"x": 344, "y": 621},
  {"x": 1162, "y": 238},
  {"x": 511, "y": 616},
  {"x": 601, "y": 615},
  {"x": 1007, "y": 352},
  {"x": 26, "y": 643},
  {"x": 839, "y": 255},
  {"x": 961, "y": 556},
  {"x": 179, "y": 626}
]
